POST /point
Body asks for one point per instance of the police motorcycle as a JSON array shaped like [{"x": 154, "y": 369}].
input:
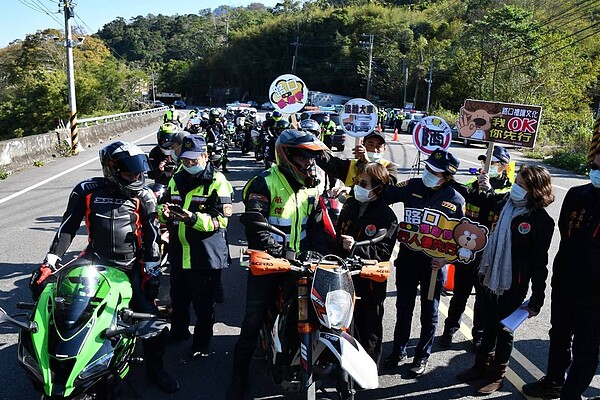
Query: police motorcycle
[
  {"x": 79, "y": 339},
  {"x": 318, "y": 347}
]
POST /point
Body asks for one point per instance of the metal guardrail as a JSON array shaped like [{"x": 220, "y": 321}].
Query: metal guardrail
[{"x": 119, "y": 117}]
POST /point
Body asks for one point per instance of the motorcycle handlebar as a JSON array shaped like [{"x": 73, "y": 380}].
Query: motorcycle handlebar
[{"x": 137, "y": 315}]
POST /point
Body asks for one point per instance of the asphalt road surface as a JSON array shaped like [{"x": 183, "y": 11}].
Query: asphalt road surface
[{"x": 33, "y": 201}]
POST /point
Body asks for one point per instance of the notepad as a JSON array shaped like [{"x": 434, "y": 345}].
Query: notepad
[{"x": 514, "y": 320}]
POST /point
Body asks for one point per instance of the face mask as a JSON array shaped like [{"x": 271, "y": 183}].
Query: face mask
[
  {"x": 374, "y": 157},
  {"x": 430, "y": 180},
  {"x": 595, "y": 177},
  {"x": 494, "y": 171},
  {"x": 194, "y": 170},
  {"x": 517, "y": 195},
  {"x": 361, "y": 194}
]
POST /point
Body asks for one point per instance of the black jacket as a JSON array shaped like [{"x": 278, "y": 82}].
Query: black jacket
[
  {"x": 120, "y": 229},
  {"x": 531, "y": 237},
  {"x": 155, "y": 157},
  {"x": 576, "y": 270}
]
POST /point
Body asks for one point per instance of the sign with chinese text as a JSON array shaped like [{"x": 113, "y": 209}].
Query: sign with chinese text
[
  {"x": 506, "y": 123},
  {"x": 288, "y": 94},
  {"x": 359, "y": 117},
  {"x": 431, "y": 133},
  {"x": 438, "y": 236}
]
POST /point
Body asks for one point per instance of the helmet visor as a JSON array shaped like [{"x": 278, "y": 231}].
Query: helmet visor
[{"x": 134, "y": 163}]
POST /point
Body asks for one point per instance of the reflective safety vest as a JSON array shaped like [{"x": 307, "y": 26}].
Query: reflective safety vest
[
  {"x": 352, "y": 171},
  {"x": 473, "y": 211},
  {"x": 289, "y": 210}
]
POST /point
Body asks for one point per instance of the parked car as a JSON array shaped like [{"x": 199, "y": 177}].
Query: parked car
[
  {"x": 338, "y": 141},
  {"x": 464, "y": 141},
  {"x": 180, "y": 104},
  {"x": 253, "y": 103},
  {"x": 409, "y": 121},
  {"x": 158, "y": 104},
  {"x": 267, "y": 106}
]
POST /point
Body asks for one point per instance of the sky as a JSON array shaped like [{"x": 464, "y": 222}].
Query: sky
[{"x": 21, "y": 17}]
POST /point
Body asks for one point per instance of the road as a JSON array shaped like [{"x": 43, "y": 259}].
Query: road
[{"x": 31, "y": 206}]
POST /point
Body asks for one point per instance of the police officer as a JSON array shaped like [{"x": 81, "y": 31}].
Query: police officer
[
  {"x": 327, "y": 130},
  {"x": 171, "y": 115},
  {"x": 360, "y": 218},
  {"x": 414, "y": 268},
  {"x": 286, "y": 196},
  {"x": 372, "y": 149},
  {"x": 575, "y": 310},
  {"x": 120, "y": 215},
  {"x": 485, "y": 196},
  {"x": 196, "y": 210}
]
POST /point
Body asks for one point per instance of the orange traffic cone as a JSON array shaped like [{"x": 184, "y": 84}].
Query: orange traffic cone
[
  {"x": 396, "y": 135},
  {"x": 379, "y": 127},
  {"x": 449, "y": 284}
]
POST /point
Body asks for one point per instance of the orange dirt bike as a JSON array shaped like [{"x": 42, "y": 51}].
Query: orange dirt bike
[{"x": 308, "y": 347}]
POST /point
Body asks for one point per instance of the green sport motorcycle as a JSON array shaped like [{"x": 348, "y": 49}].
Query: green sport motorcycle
[{"x": 80, "y": 337}]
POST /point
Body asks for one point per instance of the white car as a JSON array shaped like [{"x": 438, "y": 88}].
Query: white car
[{"x": 409, "y": 121}]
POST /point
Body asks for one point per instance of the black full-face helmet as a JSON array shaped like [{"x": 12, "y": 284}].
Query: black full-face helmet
[
  {"x": 310, "y": 125},
  {"x": 292, "y": 142},
  {"x": 281, "y": 126},
  {"x": 121, "y": 157},
  {"x": 166, "y": 134}
]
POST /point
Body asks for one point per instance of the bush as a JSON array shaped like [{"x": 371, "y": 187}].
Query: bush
[{"x": 570, "y": 160}]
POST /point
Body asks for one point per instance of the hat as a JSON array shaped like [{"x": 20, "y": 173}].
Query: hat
[
  {"x": 193, "y": 146},
  {"x": 442, "y": 161},
  {"x": 377, "y": 134},
  {"x": 499, "y": 155}
]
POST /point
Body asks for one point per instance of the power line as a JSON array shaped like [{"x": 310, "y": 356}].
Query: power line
[{"x": 36, "y": 7}]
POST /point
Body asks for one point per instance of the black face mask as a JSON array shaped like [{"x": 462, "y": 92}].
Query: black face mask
[{"x": 311, "y": 180}]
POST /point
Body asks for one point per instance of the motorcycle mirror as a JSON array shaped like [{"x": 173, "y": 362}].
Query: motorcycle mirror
[
  {"x": 149, "y": 328},
  {"x": 378, "y": 237},
  {"x": 252, "y": 216},
  {"x": 5, "y": 318}
]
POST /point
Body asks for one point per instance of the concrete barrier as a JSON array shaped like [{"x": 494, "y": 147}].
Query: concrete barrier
[{"x": 21, "y": 153}]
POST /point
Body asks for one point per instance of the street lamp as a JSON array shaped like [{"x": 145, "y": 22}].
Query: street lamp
[{"x": 368, "y": 44}]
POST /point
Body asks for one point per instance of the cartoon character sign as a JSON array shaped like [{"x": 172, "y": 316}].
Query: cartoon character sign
[
  {"x": 288, "y": 93},
  {"x": 470, "y": 238},
  {"x": 433, "y": 233},
  {"x": 476, "y": 119}
]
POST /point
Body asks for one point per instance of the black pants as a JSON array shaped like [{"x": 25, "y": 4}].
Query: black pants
[
  {"x": 261, "y": 292},
  {"x": 195, "y": 287},
  {"x": 466, "y": 278},
  {"x": 495, "y": 309},
  {"x": 368, "y": 315},
  {"x": 574, "y": 342}
]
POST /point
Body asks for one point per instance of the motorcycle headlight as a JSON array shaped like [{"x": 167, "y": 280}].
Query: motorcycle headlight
[
  {"x": 30, "y": 362},
  {"x": 96, "y": 366},
  {"x": 339, "y": 308}
]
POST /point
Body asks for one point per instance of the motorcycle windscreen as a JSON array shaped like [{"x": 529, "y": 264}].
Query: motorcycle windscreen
[
  {"x": 332, "y": 296},
  {"x": 78, "y": 293}
]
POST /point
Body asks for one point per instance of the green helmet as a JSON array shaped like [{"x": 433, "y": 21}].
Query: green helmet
[{"x": 166, "y": 135}]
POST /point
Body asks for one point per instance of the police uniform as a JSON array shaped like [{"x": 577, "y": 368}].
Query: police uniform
[
  {"x": 413, "y": 268},
  {"x": 327, "y": 131},
  {"x": 361, "y": 221},
  {"x": 198, "y": 250}
]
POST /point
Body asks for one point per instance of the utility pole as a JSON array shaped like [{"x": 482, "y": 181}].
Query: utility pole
[
  {"x": 70, "y": 13},
  {"x": 153, "y": 89},
  {"x": 369, "y": 44},
  {"x": 296, "y": 44},
  {"x": 405, "y": 69},
  {"x": 429, "y": 81}
]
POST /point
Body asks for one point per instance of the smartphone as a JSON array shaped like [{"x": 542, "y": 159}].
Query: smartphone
[{"x": 176, "y": 209}]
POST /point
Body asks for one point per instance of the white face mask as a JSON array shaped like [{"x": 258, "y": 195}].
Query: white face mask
[
  {"x": 430, "y": 180},
  {"x": 595, "y": 177},
  {"x": 517, "y": 195},
  {"x": 168, "y": 152},
  {"x": 362, "y": 195},
  {"x": 374, "y": 157}
]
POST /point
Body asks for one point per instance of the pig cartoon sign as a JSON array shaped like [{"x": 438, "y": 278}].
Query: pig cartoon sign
[{"x": 288, "y": 93}]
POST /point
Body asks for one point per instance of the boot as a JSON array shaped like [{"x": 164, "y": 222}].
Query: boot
[
  {"x": 478, "y": 370},
  {"x": 495, "y": 379}
]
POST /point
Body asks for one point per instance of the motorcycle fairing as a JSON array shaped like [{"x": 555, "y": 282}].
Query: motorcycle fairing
[
  {"x": 352, "y": 357},
  {"x": 70, "y": 337}
]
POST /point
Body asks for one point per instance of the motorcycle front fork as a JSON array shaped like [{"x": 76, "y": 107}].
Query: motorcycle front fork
[{"x": 305, "y": 331}]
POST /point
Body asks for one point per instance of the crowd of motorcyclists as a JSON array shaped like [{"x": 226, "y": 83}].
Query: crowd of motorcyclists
[{"x": 190, "y": 161}]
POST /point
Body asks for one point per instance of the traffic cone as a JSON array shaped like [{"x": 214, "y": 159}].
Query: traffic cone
[
  {"x": 449, "y": 284},
  {"x": 379, "y": 127},
  {"x": 396, "y": 135}
]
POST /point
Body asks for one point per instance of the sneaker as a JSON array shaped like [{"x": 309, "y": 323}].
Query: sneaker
[
  {"x": 393, "y": 360},
  {"x": 418, "y": 367},
  {"x": 199, "y": 353},
  {"x": 446, "y": 340},
  {"x": 544, "y": 388}
]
